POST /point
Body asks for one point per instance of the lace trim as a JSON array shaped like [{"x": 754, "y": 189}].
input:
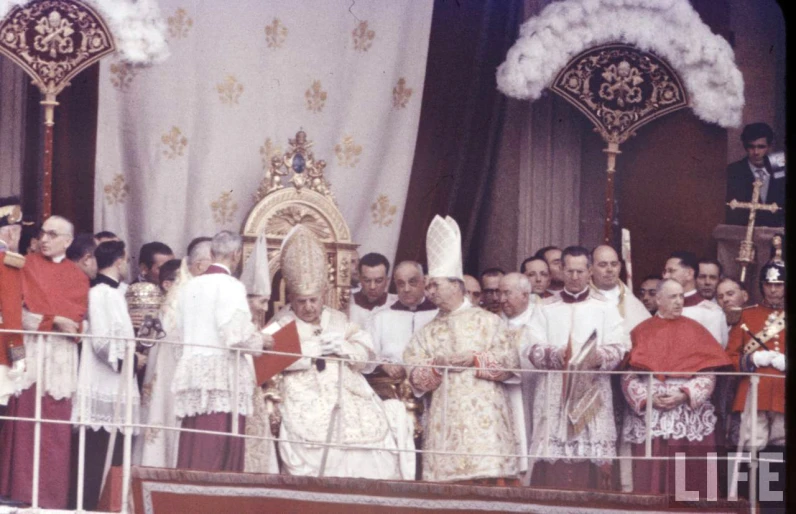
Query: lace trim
[
  {"x": 205, "y": 384},
  {"x": 679, "y": 423},
  {"x": 599, "y": 452}
]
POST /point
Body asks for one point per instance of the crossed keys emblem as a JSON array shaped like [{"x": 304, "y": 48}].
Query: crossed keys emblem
[{"x": 54, "y": 31}]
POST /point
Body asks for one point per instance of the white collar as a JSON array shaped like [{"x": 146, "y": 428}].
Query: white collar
[
  {"x": 59, "y": 259},
  {"x": 690, "y": 293}
]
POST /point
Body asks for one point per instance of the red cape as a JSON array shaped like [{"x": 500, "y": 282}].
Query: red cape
[
  {"x": 54, "y": 289},
  {"x": 674, "y": 345}
]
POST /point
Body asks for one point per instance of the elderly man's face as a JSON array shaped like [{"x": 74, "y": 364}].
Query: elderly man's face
[
  {"x": 307, "y": 307},
  {"x": 605, "y": 271},
  {"x": 538, "y": 272},
  {"x": 670, "y": 300},
  {"x": 707, "y": 279},
  {"x": 513, "y": 301},
  {"x": 54, "y": 238},
  {"x": 374, "y": 281},
  {"x": 577, "y": 273},
  {"x": 409, "y": 284},
  {"x": 646, "y": 293},
  {"x": 729, "y": 295}
]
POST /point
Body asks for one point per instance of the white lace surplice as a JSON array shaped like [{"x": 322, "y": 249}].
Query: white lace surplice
[
  {"x": 102, "y": 392},
  {"x": 59, "y": 368},
  {"x": 692, "y": 420},
  {"x": 550, "y": 331}
]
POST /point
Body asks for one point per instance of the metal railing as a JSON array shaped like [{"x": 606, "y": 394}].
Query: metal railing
[{"x": 127, "y": 426}]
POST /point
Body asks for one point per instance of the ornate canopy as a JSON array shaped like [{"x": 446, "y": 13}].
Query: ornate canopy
[{"x": 294, "y": 191}]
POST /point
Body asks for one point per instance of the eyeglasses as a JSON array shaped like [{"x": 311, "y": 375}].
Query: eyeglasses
[{"x": 52, "y": 234}]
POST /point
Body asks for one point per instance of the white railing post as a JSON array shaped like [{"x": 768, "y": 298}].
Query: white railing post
[
  {"x": 648, "y": 418},
  {"x": 444, "y": 408},
  {"x": 236, "y": 393},
  {"x": 81, "y": 451},
  {"x": 754, "y": 382},
  {"x": 548, "y": 379},
  {"x": 130, "y": 382},
  {"x": 37, "y": 427}
]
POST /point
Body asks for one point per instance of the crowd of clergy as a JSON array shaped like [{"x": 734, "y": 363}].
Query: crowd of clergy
[{"x": 484, "y": 361}]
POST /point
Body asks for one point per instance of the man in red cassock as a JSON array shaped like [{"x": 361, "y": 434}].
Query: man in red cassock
[
  {"x": 683, "y": 416},
  {"x": 12, "y": 351},
  {"x": 55, "y": 296}
]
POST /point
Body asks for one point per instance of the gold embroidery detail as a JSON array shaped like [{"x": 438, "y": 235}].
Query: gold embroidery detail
[
  {"x": 348, "y": 152},
  {"x": 382, "y": 211},
  {"x": 122, "y": 75},
  {"x": 272, "y": 165},
  {"x": 230, "y": 90},
  {"x": 275, "y": 34},
  {"x": 316, "y": 97},
  {"x": 116, "y": 191},
  {"x": 175, "y": 142},
  {"x": 224, "y": 208},
  {"x": 363, "y": 38},
  {"x": 180, "y": 24},
  {"x": 287, "y": 218},
  {"x": 401, "y": 94}
]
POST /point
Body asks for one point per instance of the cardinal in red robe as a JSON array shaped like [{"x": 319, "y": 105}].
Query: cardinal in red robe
[
  {"x": 55, "y": 296},
  {"x": 683, "y": 419}
]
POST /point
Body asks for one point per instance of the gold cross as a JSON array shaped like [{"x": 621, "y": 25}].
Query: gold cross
[{"x": 747, "y": 252}]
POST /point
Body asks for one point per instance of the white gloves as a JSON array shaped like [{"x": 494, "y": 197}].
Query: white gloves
[
  {"x": 778, "y": 361},
  {"x": 332, "y": 344},
  {"x": 17, "y": 370},
  {"x": 764, "y": 358}
]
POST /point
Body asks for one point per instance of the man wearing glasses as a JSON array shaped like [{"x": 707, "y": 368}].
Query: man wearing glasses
[{"x": 55, "y": 296}]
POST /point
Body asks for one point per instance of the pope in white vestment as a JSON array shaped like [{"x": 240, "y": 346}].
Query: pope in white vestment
[{"x": 316, "y": 408}]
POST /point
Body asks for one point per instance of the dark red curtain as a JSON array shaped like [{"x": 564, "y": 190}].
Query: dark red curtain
[{"x": 460, "y": 122}]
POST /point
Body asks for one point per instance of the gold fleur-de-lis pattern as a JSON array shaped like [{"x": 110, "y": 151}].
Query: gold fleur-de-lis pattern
[
  {"x": 401, "y": 94},
  {"x": 382, "y": 212},
  {"x": 315, "y": 96},
  {"x": 179, "y": 24},
  {"x": 275, "y": 34},
  {"x": 268, "y": 151},
  {"x": 122, "y": 75},
  {"x": 116, "y": 192},
  {"x": 224, "y": 208},
  {"x": 363, "y": 37},
  {"x": 175, "y": 143},
  {"x": 348, "y": 152},
  {"x": 229, "y": 90}
]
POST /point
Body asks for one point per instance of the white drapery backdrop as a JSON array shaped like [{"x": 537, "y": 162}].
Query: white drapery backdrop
[{"x": 182, "y": 146}]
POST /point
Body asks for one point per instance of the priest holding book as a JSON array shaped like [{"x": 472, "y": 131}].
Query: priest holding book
[{"x": 576, "y": 330}]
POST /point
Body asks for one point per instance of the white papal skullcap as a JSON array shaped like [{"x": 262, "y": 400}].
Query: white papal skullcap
[{"x": 444, "y": 248}]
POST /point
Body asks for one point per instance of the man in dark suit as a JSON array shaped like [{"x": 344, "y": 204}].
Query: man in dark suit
[{"x": 757, "y": 139}]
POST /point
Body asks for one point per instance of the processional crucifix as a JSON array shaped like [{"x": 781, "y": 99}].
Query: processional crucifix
[
  {"x": 746, "y": 254},
  {"x": 53, "y": 40},
  {"x": 619, "y": 88}
]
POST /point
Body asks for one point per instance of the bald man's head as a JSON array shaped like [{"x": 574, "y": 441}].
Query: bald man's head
[
  {"x": 605, "y": 272},
  {"x": 515, "y": 294}
]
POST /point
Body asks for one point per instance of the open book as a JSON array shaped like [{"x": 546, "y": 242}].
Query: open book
[
  {"x": 582, "y": 398},
  {"x": 286, "y": 339}
]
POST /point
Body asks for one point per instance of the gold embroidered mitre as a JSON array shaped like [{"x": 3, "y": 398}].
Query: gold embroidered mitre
[
  {"x": 303, "y": 262},
  {"x": 444, "y": 248}
]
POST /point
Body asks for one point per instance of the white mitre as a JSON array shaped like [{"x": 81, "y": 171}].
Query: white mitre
[
  {"x": 256, "y": 274},
  {"x": 303, "y": 262},
  {"x": 444, "y": 248}
]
